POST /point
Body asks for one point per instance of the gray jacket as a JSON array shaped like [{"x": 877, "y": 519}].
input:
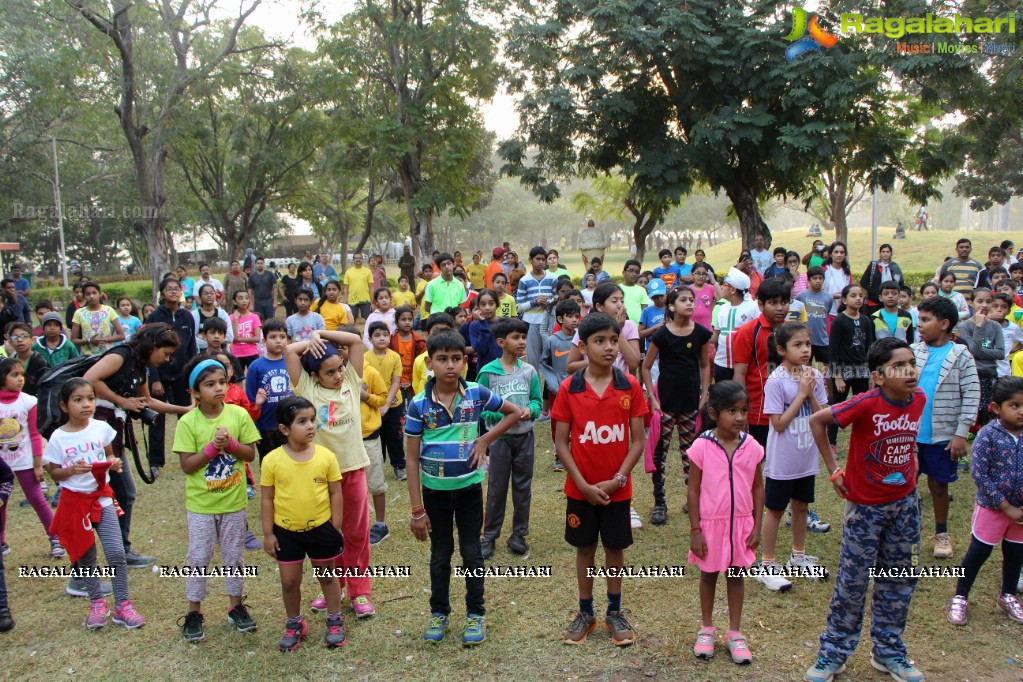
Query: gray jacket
[
  {"x": 957, "y": 397},
  {"x": 986, "y": 344}
]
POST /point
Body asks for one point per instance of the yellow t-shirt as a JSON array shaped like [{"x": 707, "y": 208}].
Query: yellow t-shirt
[
  {"x": 301, "y": 498},
  {"x": 375, "y": 385},
  {"x": 477, "y": 273},
  {"x": 506, "y": 307},
  {"x": 333, "y": 314},
  {"x": 358, "y": 281},
  {"x": 95, "y": 323},
  {"x": 338, "y": 422},
  {"x": 420, "y": 373},
  {"x": 400, "y": 298},
  {"x": 388, "y": 365}
]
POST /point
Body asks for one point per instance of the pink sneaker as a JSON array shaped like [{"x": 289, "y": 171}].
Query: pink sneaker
[
  {"x": 363, "y": 607},
  {"x": 956, "y": 608},
  {"x": 1011, "y": 606},
  {"x": 318, "y": 604},
  {"x": 704, "y": 647},
  {"x": 735, "y": 642},
  {"x": 98, "y": 612},
  {"x": 126, "y": 615}
]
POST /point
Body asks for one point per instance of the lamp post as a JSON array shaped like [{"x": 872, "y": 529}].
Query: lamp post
[{"x": 60, "y": 212}]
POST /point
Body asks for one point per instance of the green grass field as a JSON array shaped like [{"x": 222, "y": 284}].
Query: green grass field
[{"x": 525, "y": 621}]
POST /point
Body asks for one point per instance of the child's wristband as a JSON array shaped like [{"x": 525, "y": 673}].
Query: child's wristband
[
  {"x": 417, "y": 518},
  {"x": 210, "y": 451},
  {"x": 232, "y": 445},
  {"x": 694, "y": 529},
  {"x": 838, "y": 472}
]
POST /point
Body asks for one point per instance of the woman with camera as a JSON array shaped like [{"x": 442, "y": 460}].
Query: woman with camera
[
  {"x": 119, "y": 379},
  {"x": 168, "y": 381}
]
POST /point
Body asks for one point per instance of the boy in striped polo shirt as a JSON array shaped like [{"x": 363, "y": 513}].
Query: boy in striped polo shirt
[{"x": 444, "y": 447}]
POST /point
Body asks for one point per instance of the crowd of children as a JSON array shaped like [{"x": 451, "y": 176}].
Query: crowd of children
[{"x": 760, "y": 369}]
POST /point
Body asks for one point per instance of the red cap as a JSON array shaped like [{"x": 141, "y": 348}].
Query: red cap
[{"x": 499, "y": 251}]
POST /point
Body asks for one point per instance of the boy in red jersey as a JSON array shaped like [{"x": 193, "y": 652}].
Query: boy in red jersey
[
  {"x": 599, "y": 414},
  {"x": 881, "y": 532},
  {"x": 749, "y": 349}
]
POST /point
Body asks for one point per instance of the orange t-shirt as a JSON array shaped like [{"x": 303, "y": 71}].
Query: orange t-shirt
[
  {"x": 492, "y": 269},
  {"x": 406, "y": 350}
]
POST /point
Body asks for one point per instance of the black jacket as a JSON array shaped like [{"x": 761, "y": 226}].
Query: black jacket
[
  {"x": 871, "y": 280},
  {"x": 184, "y": 324}
]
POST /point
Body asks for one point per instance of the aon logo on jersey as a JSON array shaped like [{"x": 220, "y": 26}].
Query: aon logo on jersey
[{"x": 602, "y": 435}]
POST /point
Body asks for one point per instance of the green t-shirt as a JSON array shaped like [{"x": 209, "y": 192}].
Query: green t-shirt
[
  {"x": 635, "y": 298},
  {"x": 443, "y": 295},
  {"x": 218, "y": 487}
]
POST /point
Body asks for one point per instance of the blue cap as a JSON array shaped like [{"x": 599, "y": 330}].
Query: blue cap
[{"x": 656, "y": 287}]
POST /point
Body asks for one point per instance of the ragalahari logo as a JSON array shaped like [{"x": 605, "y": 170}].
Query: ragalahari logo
[{"x": 818, "y": 38}]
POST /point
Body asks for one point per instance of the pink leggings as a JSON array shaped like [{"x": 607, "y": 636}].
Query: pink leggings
[{"x": 34, "y": 494}]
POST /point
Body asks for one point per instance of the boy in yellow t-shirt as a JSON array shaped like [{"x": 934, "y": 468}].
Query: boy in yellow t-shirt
[
  {"x": 302, "y": 509},
  {"x": 373, "y": 397},
  {"x": 420, "y": 371},
  {"x": 388, "y": 363},
  {"x": 403, "y": 296},
  {"x": 505, "y": 301}
]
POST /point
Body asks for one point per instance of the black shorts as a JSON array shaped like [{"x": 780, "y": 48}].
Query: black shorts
[
  {"x": 584, "y": 521},
  {"x": 777, "y": 493},
  {"x": 268, "y": 442},
  {"x": 820, "y": 354},
  {"x": 322, "y": 544},
  {"x": 759, "y": 433},
  {"x": 723, "y": 373}
]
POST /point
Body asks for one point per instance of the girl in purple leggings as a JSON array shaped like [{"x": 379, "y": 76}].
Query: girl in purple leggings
[{"x": 21, "y": 447}]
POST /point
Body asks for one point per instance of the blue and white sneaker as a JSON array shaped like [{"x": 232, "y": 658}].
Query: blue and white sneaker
[
  {"x": 814, "y": 524},
  {"x": 898, "y": 667},
  {"x": 823, "y": 671}
]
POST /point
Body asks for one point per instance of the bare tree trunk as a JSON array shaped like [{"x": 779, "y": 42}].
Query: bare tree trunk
[{"x": 751, "y": 224}]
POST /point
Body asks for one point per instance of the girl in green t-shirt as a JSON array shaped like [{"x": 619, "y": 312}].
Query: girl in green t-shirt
[{"x": 211, "y": 442}]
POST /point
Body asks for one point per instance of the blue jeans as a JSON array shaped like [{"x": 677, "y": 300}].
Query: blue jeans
[{"x": 886, "y": 536}]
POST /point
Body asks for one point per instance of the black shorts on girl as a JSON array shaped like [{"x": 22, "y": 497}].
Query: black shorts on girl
[
  {"x": 777, "y": 493},
  {"x": 585, "y": 521},
  {"x": 321, "y": 544}
]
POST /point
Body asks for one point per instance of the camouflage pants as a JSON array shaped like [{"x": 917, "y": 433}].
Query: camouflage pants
[
  {"x": 685, "y": 422},
  {"x": 886, "y": 536}
]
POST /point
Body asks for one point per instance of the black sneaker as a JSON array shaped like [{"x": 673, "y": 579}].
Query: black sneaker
[
  {"x": 659, "y": 515},
  {"x": 240, "y": 618},
  {"x": 76, "y": 587},
  {"x": 6, "y": 622},
  {"x": 192, "y": 628},
  {"x": 336, "y": 634},
  {"x": 136, "y": 560},
  {"x": 294, "y": 631},
  {"x": 487, "y": 548},
  {"x": 518, "y": 545}
]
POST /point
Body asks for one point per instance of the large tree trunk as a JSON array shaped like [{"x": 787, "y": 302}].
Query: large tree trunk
[
  {"x": 744, "y": 199},
  {"x": 641, "y": 229}
]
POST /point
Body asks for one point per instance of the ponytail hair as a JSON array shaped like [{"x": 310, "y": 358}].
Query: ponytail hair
[{"x": 721, "y": 396}]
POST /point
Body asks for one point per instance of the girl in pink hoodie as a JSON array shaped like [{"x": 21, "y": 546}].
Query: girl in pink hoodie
[{"x": 726, "y": 504}]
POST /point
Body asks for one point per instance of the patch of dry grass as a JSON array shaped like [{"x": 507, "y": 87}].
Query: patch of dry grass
[{"x": 525, "y": 620}]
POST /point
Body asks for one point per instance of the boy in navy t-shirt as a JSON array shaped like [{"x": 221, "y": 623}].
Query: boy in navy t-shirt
[{"x": 266, "y": 384}]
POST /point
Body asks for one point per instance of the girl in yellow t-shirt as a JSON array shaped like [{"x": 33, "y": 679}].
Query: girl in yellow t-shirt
[
  {"x": 302, "y": 511},
  {"x": 329, "y": 308}
]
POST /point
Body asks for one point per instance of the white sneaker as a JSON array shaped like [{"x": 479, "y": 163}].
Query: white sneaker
[
  {"x": 769, "y": 575},
  {"x": 1019, "y": 583},
  {"x": 806, "y": 562},
  {"x": 636, "y": 522}
]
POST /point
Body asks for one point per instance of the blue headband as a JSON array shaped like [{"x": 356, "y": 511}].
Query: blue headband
[
  {"x": 204, "y": 365},
  {"x": 312, "y": 364}
]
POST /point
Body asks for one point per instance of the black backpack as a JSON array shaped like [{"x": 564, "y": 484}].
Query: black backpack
[{"x": 48, "y": 414}]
